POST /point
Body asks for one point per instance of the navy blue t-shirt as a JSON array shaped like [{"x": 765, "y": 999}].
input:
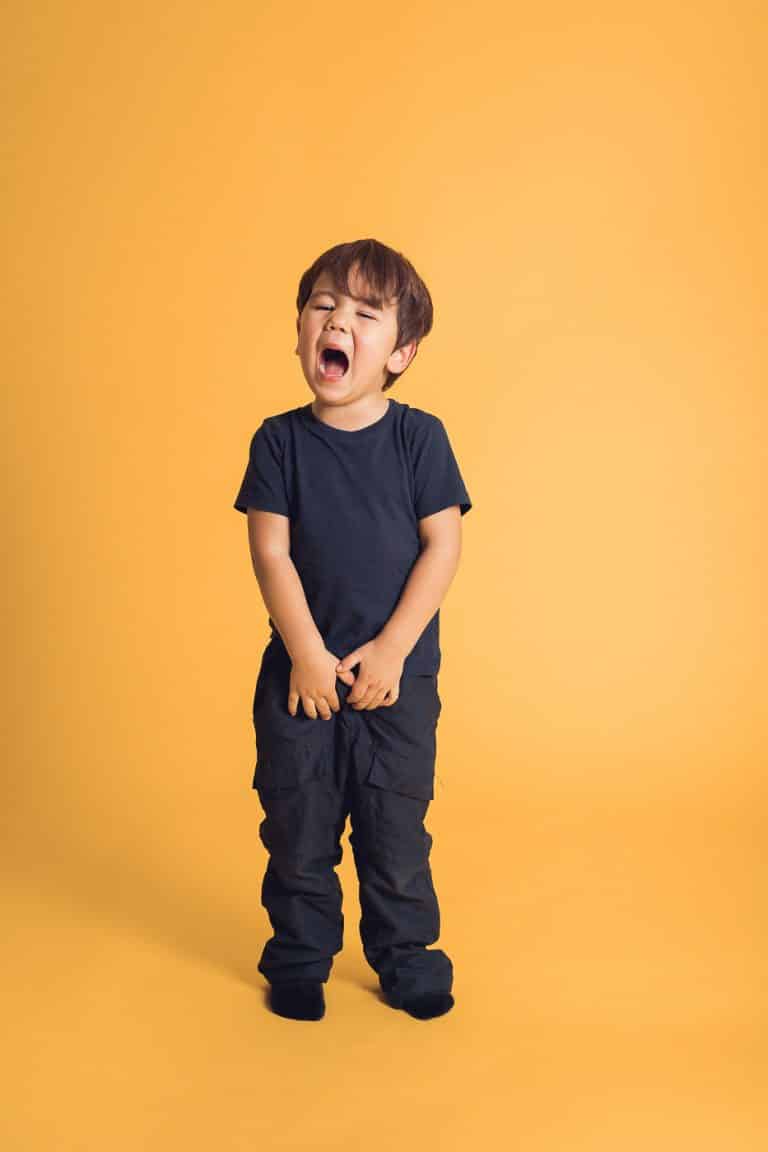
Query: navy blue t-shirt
[{"x": 354, "y": 499}]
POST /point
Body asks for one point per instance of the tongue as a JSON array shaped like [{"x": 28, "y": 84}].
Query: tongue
[{"x": 333, "y": 370}]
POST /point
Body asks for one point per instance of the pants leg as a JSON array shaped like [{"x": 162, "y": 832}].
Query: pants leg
[
  {"x": 304, "y": 821},
  {"x": 301, "y": 889},
  {"x": 395, "y": 771}
]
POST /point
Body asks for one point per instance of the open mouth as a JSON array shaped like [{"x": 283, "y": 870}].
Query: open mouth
[{"x": 333, "y": 363}]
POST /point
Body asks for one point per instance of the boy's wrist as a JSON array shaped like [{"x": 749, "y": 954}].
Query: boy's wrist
[
  {"x": 393, "y": 642},
  {"x": 307, "y": 647}
]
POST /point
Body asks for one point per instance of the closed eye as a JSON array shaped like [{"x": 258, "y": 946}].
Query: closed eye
[{"x": 327, "y": 308}]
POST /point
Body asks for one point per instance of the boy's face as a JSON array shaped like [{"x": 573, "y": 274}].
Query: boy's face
[{"x": 366, "y": 334}]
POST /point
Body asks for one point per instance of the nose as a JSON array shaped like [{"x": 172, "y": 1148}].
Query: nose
[{"x": 336, "y": 320}]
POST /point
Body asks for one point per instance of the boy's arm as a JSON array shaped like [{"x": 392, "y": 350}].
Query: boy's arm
[
  {"x": 281, "y": 589},
  {"x": 428, "y": 581}
]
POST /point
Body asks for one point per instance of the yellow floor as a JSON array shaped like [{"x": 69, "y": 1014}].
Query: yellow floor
[{"x": 606, "y": 992}]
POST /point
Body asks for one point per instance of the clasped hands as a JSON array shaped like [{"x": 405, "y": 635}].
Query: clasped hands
[{"x": 314, "y": 673}]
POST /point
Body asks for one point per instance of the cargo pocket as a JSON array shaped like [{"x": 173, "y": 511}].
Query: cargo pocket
[
  {"x": 405, "y": 740},
  {"x": 289, "y": 765},
  {"x": 297, "y": 823},
  {"x": 411, "y": 774}
]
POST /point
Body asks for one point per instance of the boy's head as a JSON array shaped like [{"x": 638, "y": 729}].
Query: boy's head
[{"x": 368, "y": 301}]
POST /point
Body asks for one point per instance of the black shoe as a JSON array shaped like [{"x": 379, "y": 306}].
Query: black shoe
[{"x": 298, "y": 1000}]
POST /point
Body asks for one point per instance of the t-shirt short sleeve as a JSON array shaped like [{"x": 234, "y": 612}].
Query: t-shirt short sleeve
[
  {"x": 263, "y": 484},
  {"x": 438, "y": 482}
]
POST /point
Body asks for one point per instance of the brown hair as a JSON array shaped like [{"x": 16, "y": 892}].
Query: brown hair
[{"x": 387, "y": 275}]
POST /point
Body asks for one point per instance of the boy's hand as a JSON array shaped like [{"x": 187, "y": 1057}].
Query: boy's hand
[
  {"x": 378, "y": 681},
  {"x": 313, "y": 681}
]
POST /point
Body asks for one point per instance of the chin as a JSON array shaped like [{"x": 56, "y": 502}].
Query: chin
[{"x": 331, "y": 388}]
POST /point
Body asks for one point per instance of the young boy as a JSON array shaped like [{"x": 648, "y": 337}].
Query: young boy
[{"x": 354, "y": 506}]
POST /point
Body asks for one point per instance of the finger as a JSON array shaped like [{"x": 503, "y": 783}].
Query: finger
[
  {"x": 323, "y": 708},
  {"x": 367, "y": 696},
  {"x": 293, "y": 702},
  {"x": 309, "y": 707},
  {"x": 333, "y": 700},
  {"x": 378, "y": 698},
  {"x": 357, "y": 694}
]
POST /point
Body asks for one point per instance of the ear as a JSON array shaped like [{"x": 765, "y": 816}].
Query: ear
[{"x": 401, "y": 357}]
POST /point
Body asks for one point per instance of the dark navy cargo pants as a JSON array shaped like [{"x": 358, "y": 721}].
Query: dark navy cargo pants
[{"x": 377, "y": 766}]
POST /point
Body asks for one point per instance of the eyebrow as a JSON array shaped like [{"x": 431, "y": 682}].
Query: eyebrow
[{"x": 361, "y": 299}]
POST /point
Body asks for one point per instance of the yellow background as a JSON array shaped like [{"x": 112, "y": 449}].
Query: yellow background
[{"x": 583, "y": 189}]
